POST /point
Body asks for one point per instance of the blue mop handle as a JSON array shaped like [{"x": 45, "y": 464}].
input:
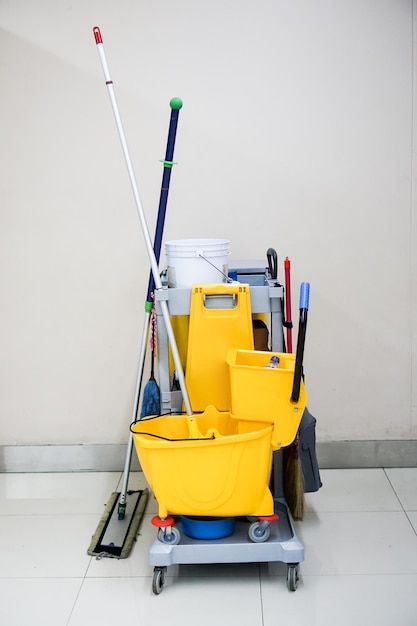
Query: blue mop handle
[
  {"x": 175, "y": 104},
  {"x": 302, "y": 325}
]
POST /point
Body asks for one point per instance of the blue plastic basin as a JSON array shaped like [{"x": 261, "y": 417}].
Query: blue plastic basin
[{"x": 207, "y": 527}]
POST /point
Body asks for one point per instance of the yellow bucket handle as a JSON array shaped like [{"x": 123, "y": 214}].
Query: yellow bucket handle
[
  {"x": 193, "y": 430},
  {"x": 195, "y": 433}
]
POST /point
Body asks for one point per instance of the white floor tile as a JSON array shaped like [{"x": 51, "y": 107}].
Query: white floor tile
[
  {"x": 138, "y": 481},
  {"x": 183, "y": 601},
  {"x": 137, "y": 563},
  {"x": 404, "y": 481},
  {"x": 43, "y": 601},
  {"x": 218, "y": 570},
  {"x": 385, "y": 600},
  {"x": 45, "y": 545},
  {"x": 358, "y": 543},
  {"x": 360, "y": 559},
  {"x": 353, "y": 490},
  {"x": 412, "y": 516},
  {"x": 53, "y": 493}
]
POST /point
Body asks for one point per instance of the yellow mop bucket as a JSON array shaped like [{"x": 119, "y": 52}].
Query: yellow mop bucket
[
  {"x": 206, "y": 464},
  {"x": 259, "y": 392}
]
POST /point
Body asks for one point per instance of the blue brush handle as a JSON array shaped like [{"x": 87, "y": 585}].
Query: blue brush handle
[
  {"x": 304, "y": 295},
  {"x": 299, "y": 355},
  {"x": 175, "y": 105}
]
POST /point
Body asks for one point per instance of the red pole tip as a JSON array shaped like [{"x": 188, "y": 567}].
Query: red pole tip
[
  {"x": 287, "y": 263},
  {"x": 97, "y": 34}
]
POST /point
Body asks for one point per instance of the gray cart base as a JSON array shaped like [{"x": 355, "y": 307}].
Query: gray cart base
[{"x": 282, "y": 545}]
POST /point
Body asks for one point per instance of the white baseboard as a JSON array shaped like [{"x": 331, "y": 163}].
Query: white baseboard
[
  {"x": 111, "y": 457},
  {"x": 350, "y": 454},
  {"x": 68, "y": 458}
]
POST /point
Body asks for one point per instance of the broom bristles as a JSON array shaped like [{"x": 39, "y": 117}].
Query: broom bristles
[{"x": 294, "y": 481}]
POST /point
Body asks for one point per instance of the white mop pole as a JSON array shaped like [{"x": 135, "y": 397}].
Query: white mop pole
[{"x": 142, "y": 219}]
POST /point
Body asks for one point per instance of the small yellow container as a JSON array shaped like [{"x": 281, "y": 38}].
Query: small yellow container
[
  {"x": 225, "y": 473},
  {"x": 261, "y": 393}
]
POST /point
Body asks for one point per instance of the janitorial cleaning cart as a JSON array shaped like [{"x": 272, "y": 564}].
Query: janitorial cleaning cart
[
  {"x": 213, "y": 454},
  {"x": 216, "y": 472}
]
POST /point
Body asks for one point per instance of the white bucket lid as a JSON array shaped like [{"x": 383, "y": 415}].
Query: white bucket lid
[{"x": 197, "y": 247}]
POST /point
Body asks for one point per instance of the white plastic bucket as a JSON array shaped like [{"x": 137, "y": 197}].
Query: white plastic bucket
[{"x": 194, "y": 261}]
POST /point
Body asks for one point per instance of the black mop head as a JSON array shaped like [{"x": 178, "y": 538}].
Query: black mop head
[{"x": 114, "y": 537}]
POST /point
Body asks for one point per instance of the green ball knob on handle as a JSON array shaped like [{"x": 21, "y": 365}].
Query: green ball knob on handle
[{"x": 175, "y": 103}]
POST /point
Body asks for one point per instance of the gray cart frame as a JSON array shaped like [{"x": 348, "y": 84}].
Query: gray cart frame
[{"x": 282, "y": 545}]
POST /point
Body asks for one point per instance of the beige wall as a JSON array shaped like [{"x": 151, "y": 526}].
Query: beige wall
[{"x": 296, "y": 133}]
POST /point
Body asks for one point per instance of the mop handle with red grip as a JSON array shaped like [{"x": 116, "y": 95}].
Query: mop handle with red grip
[
  {"x": 288, "y": 314},
  {"x": 142, "y": 219}
]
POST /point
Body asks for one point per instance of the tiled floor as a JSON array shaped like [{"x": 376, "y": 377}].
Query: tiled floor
[{"x": 360, "y": 563}]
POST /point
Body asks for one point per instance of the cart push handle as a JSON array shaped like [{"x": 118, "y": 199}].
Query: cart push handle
[
  {"x": 298, "y": 369},
  {"x": 272, "y": 257}
]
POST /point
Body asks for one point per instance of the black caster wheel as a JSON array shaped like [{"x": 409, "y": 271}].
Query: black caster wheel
[
  {"x": 293, "y": 576},
  {"x": 171, "y": 537},
  {"x": 259, "y": 532},
  {"x": 158, "y": 580}
]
